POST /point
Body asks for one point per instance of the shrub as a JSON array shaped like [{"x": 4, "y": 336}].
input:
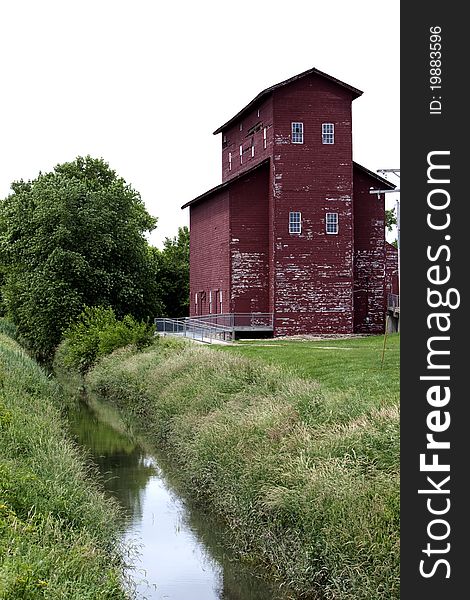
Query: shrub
[{"x": 96, "y": 333}]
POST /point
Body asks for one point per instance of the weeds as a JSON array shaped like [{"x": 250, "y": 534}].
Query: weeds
[
  {"x": 58, "y": 534},
  {"x": 305, "y": 475}
]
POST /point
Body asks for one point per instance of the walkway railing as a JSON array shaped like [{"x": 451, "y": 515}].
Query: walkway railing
[
  {"x": 194, "y": 329},
  {"x": 239, "y": 321},
  {"x": 216, "y": 327}
]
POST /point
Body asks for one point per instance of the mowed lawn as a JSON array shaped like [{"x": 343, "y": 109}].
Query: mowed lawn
[{"x": 349, "y": 366}]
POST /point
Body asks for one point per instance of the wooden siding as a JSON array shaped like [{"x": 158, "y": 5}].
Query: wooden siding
[
  {"x": 313, "y": 270},
  {"x": 210, "y": 254},
  {"x": 369, "y": 255},
  {"x": 249, "y": 243}
]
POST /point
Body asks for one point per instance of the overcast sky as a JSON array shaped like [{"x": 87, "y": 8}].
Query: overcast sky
[{"x": 143, "y": 84}]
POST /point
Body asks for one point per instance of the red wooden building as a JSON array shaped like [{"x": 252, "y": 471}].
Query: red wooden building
[{"x": 292, "y": 231}]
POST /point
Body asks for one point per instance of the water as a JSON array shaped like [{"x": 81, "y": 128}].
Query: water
[{"x": 181, "y": 550}]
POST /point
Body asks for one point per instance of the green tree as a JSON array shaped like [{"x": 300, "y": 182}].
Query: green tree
[
  {"x": 390, "y": 218},
  {"x": 173, "y": 274},
  {"x": 390, "y": 222},
  {"x": 72, "y": 238}
]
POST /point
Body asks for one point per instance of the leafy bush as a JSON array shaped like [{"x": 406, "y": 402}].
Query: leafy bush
[
  {"x": 71, "y": 238},
  {"x": 96, "y": 333}
]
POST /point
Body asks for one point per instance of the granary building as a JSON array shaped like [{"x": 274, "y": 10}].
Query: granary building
[{"x": 292, "y": 237}]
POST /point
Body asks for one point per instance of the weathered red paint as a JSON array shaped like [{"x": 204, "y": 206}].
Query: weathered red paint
[
  {"x": 313, "y": 282},
  {"x": 391, "y": 269}
]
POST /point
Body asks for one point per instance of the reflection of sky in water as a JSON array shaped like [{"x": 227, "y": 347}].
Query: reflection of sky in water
[
  {"x": 174, "y": 561},
  {"x": 174, "y": 547}
]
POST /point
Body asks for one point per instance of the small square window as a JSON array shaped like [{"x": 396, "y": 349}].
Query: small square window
[
  {"x": 331, "y": 222},
  {"x": 328, "y": 133},
  {"x": 295, "y": 222},
  {"x": 297, "y": 133}
]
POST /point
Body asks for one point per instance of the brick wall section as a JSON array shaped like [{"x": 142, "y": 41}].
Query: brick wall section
[
  {"x": 391, "y": 269},
  {"x": 249, "y": 243},
  {"x": 369, "y": 255},
  {"x": 210, "y": 254},
  {"x": 313, "y": 270},
  {"x": 235, "y": 138}
]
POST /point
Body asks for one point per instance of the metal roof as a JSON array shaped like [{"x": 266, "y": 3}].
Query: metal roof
[
  {"x": 225, "y": 184},
  {"x": 356, "y": 93},
  {"x": 383, "y": 181}
]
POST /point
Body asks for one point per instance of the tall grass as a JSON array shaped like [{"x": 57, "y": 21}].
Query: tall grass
[
  {"x": 58, "y": 533},
  {"x": 308, "y": 485}
]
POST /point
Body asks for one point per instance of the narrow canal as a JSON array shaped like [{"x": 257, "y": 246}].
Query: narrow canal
[{"x": 180, "y": 550}]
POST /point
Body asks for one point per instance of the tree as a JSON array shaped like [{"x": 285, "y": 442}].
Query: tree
[
  {"x": 173, "y": 274},
  {"x": 390, "y": 218},
  {"x": 390, "y": 222},
  {"x": 72, "y": 238}
]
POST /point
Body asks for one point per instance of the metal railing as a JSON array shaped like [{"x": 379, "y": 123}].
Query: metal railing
[
  {"x": 193, "y": 329},
  {"x": 239, "y": 320},
  {"x": 215, "y": 327}
]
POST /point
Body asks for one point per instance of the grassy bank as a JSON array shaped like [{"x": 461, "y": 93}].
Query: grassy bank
[
  {"x": 305, "y": 476},
  {"x": 58, "y": 537}
]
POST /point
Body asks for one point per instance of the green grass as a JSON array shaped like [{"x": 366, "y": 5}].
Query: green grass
[
  {"x": 339, "y": 363},
  {"x": 305, "y": 474},
  {"x": 58, "y": 533}
]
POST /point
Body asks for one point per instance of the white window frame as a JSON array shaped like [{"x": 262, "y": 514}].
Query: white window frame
[
  {"x": 221, "y": 302},
  {"x": 297, "y": 132},
  {"x": 328, "y": 133},
  {"x": 265, "y": 140},
  {"x": 229, "y": 161},
  {"x": 210, "y": 302},
  {"x": 295, "y": 222},
  {"x": 253, "y": 147},
  {"x": 241, "y": 154},
  {"x": 331, "y": 223}
]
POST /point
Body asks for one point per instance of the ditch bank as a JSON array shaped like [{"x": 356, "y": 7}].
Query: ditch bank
[
  {"x": 59, "y": 534},
  {"x": 307, "y": 493}
]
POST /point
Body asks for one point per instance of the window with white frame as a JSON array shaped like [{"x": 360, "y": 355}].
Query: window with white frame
[
  {"x": 229, "y": 161},
  {"x": 210, "y": 302},
  {"x": 328, "y": 133},
  {"x": 221, "y": 305},
  {"x": 295, "y": 222},
  {"x": 297, "y": 133},
  {"x": 252, "y": 147},
  {"x": 331, "y": 222},
  {"x": 264, "y": 137},
  {"x": 241, "y": 154}
]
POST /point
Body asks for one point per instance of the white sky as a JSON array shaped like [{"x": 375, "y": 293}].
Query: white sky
[{"x": 143, "y": 84}]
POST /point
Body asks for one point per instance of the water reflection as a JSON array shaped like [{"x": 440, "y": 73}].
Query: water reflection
[{"x": 182, "y": 555}]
